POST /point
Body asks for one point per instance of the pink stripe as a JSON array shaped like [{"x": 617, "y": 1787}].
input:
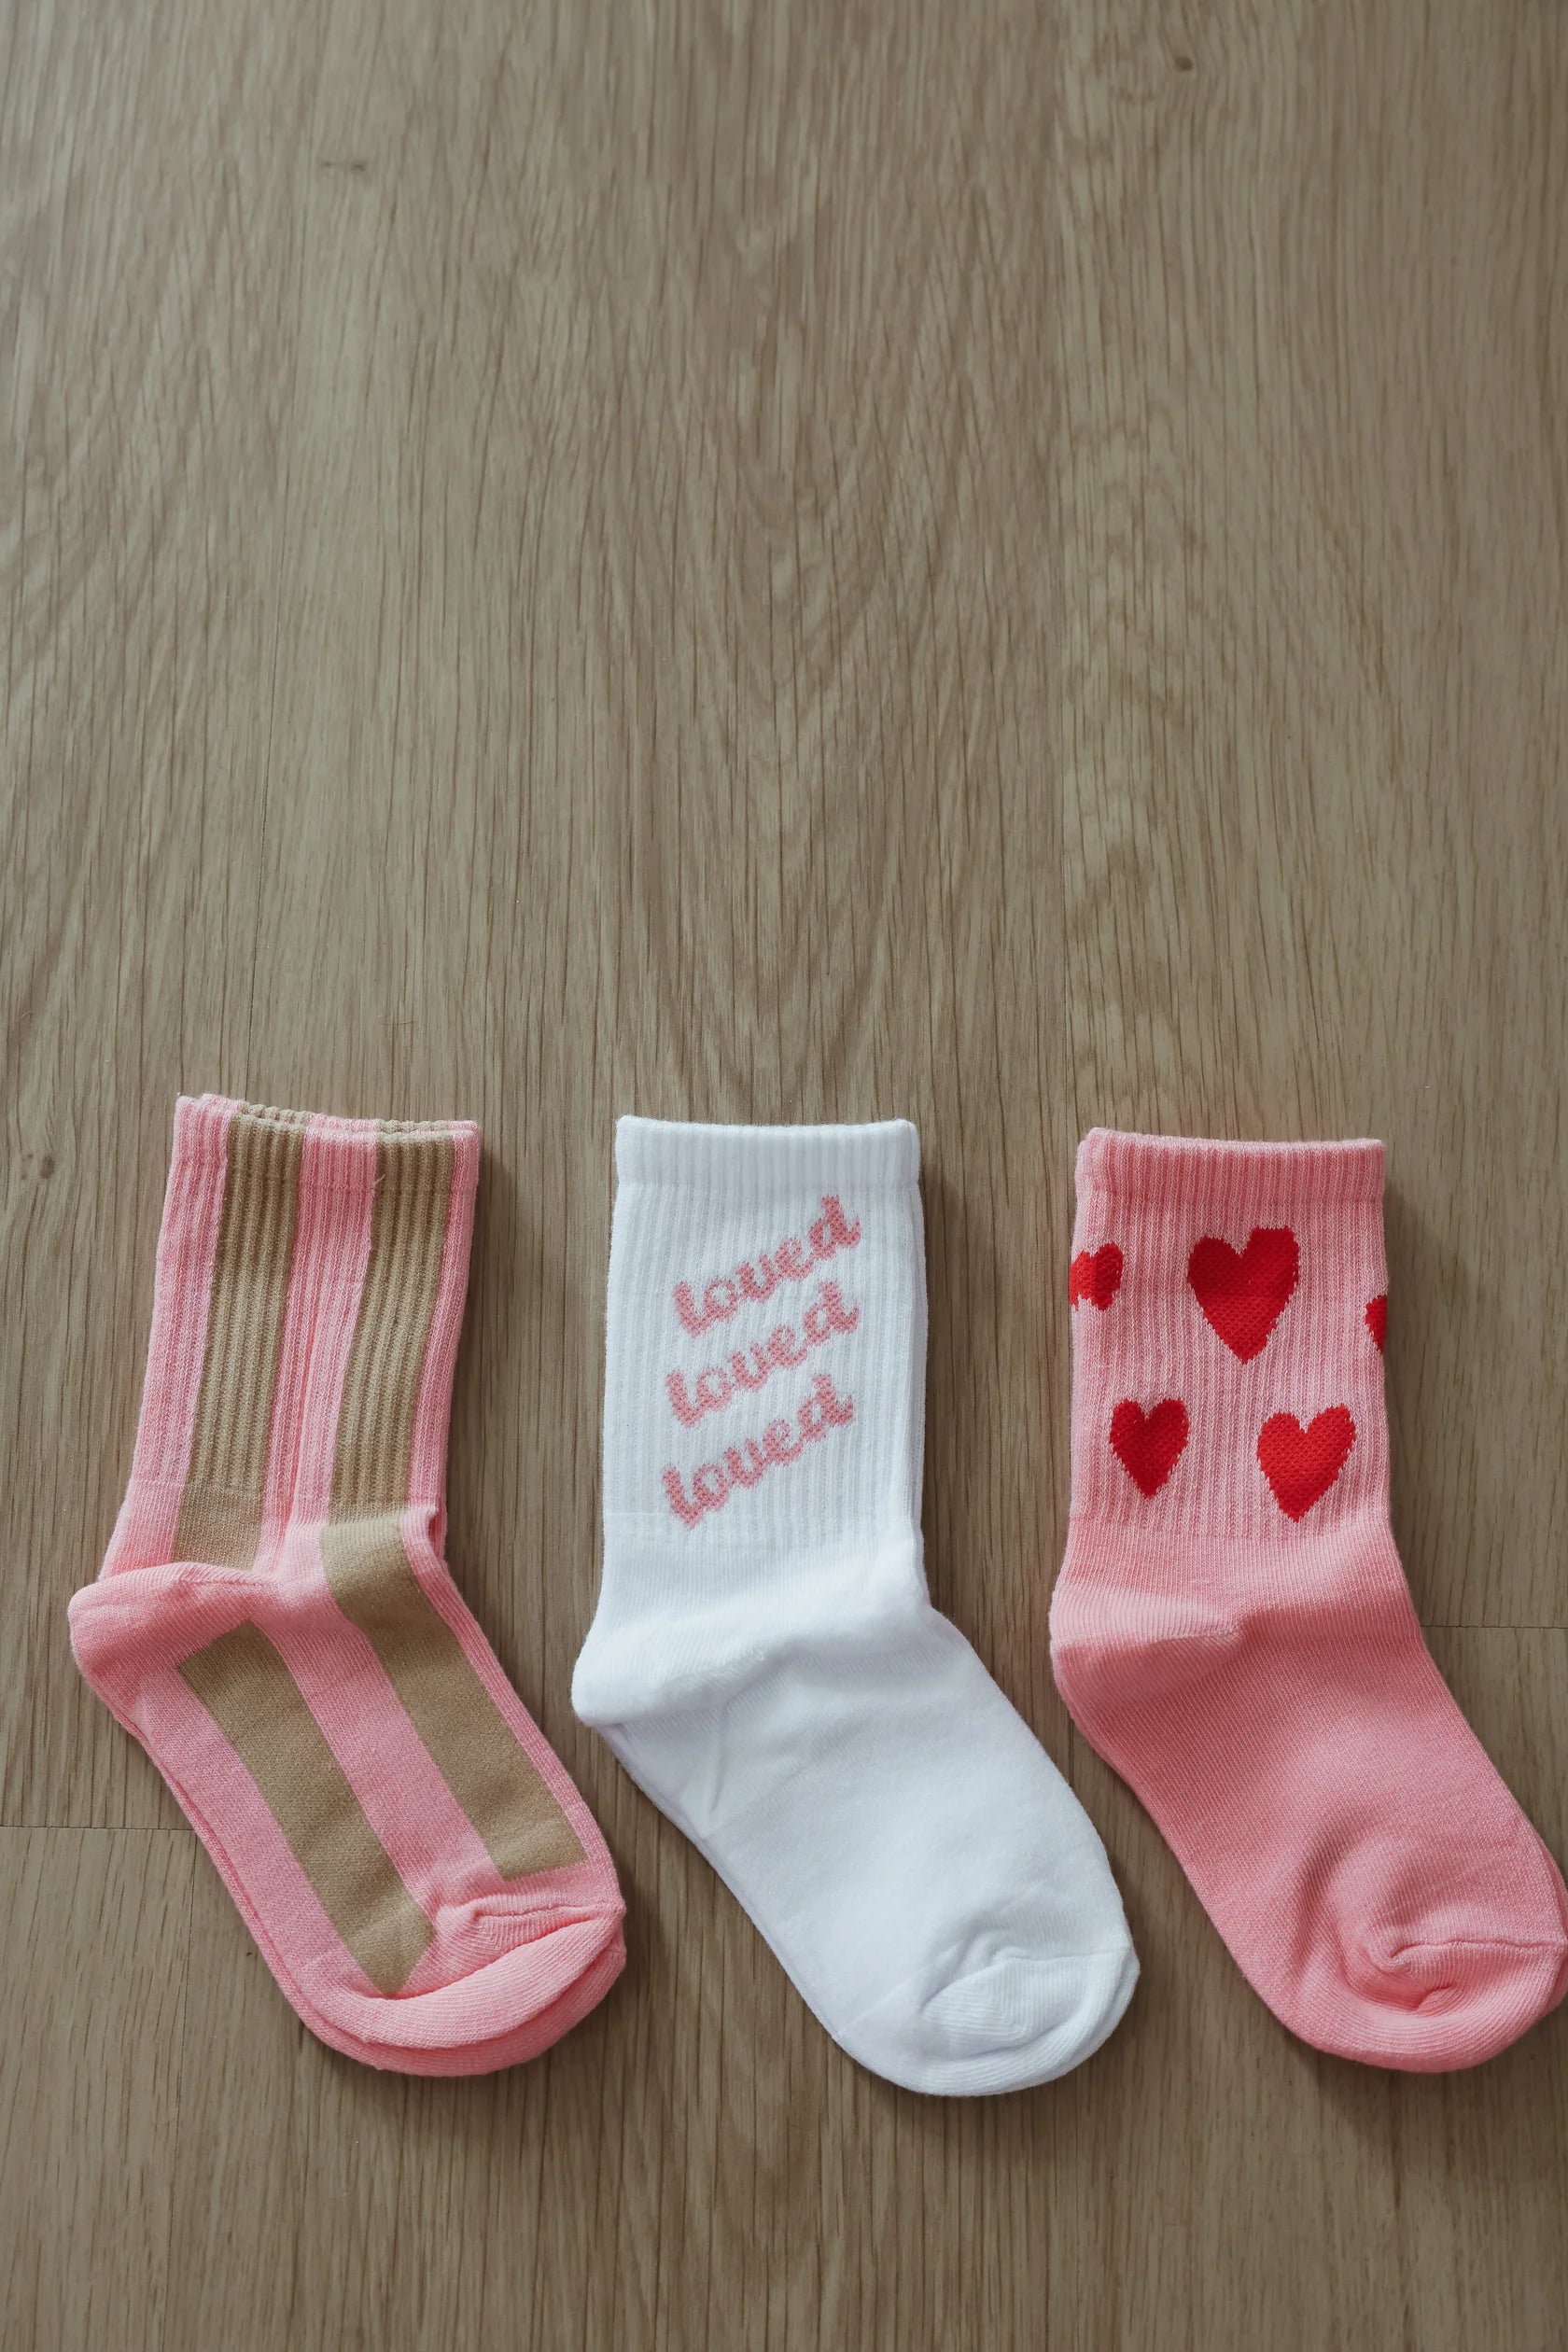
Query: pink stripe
[
  {"x": 424, "y": 1519},
  {"x": 433, "y": 1412},
  {"x": 177, "y": 1347}
]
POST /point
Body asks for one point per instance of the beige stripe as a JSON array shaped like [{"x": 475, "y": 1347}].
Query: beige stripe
[
  {"x": 493, "y": 1779},
  {"x": 220, "y": 1510},
  {"x": 380, "y": 1387},
  {"x": 256, "y": 1704}
]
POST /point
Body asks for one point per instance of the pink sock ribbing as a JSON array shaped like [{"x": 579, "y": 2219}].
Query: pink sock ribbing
[
  {"x": 1232, "y": 1629},
  {"x": 275, "y": 1623}
]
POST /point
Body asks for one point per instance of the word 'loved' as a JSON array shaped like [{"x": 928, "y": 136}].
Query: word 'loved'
[
  {"x": 791, "y": 1261},
  {"x": 749, "y": 1368},
  {"x": 743, "y": 1466}
]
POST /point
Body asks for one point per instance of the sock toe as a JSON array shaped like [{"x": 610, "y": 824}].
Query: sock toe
[
  {"x": 1429, "y": 1995},
  {"x": 1444, "y": 2005},
  {"x": 512, "y": 2010},
  {"x": 1014, "y": 2020}
]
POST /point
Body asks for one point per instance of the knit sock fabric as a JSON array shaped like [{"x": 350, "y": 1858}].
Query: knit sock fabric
[
  {"x": 275, "y": 1623},
  {"x": 764, "y": 1659},
  {"x": 1232, "y": 1628}
]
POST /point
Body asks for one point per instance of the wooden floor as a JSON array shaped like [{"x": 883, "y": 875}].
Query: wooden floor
[{"x": 1007, "y": 565}]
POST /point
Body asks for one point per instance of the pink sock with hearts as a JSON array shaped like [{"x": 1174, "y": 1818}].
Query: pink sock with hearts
[{"x": 1232, "y": 1629}]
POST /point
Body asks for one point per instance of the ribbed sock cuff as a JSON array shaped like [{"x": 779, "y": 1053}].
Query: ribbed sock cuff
[
  {"x": 754, "y": 1161},
  {"x": 1190, "y": 1170},
  {"x": 285, "y": 1234}
]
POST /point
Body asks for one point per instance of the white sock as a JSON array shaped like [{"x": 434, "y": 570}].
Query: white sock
[{"x": 764, "y": 1659}]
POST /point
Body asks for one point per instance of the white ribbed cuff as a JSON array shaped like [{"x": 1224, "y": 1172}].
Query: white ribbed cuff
[{"x": 756, "y": 1160}]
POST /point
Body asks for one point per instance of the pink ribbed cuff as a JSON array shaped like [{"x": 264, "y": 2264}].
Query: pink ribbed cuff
[
  {"x": 1180, "y": 1170},
  {"x": 338, "y": 1146},
  {"x": 306, "y": 1220}
]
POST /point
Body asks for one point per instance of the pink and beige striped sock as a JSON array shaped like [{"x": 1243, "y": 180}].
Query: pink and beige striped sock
[
  {"x": 275, "y": 1623},
  {"x": 1232, "y": 1629}
]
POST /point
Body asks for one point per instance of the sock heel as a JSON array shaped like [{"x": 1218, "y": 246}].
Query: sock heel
[
  {"x": 1129, "y": 1646},
  {"x": 632, "y": 1666}
]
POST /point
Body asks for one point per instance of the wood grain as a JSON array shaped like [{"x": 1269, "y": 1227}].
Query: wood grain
[
  {"x": 1008, "y": 566},
  {"x": 94, "y": 1942}
]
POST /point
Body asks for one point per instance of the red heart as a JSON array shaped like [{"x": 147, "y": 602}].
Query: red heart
[
  {"x": 1094, "y": 1277},
  {"x": 1301, "y": 1464},
  {"x": 1243, "y": 1293},
  {"x": 1149, "y": 1445},
  {"x": 1377, "y": 1318}
]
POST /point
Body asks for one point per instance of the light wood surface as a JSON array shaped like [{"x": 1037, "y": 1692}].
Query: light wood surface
[{"x": 1008, "y": 566}]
